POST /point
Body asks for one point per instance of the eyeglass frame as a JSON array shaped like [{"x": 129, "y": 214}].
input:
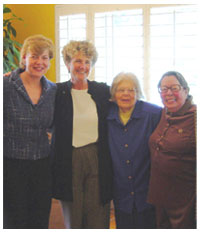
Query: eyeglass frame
[
  {"x": 129, "y": 91},
  {"x": 169, "y": 88}
]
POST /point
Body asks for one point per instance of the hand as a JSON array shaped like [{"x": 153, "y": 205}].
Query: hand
[
  {"x": 49, "y": 136},
  {"x": 6, "y": 74}
]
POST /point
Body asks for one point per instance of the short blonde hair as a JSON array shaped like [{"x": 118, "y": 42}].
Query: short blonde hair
[
  {"x": 74, "y": 47},
  {"x": 37, "y": 44},
  {"x": 122, "y": 76}
]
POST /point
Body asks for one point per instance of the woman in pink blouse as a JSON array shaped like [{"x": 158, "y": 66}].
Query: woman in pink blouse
[{"x": 173, "y": 156}]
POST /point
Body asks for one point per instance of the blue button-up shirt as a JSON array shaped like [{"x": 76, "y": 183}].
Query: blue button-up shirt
[
  {"x": 26, "y": 124},
  {"x": 130, "y": 154}
]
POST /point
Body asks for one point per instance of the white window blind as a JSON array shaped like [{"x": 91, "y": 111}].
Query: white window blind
[
  {"x": 71, "y": 27},
  {"x": 173, "y": 45},
  {"x": 119, "y": 42},
  {"x": 147, "y": 40}
]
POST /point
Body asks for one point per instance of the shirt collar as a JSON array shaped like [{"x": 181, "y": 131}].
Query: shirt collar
[
  {"x": 15, "y": 77},
  {"x": 183, "y": 109},
  {"x": 114, "y": 111}
]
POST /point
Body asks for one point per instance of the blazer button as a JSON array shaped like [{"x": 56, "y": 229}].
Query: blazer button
[{"x": 180, "y": 130}]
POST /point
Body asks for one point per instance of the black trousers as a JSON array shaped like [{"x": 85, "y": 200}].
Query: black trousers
[
  {"x": 26, "y": 194},
  {"x": 136, "y": 220}
]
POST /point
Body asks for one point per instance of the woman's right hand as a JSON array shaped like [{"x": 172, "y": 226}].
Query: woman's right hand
[{"x": 6, "y": 74}]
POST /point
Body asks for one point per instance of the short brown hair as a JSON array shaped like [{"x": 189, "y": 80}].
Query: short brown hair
[
  {"x": 85, "y": 47},
  {"x": 37, "y": 44}
]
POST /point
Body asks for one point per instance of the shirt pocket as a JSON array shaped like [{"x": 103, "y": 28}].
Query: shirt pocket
[{"x": 180, "y": 140}]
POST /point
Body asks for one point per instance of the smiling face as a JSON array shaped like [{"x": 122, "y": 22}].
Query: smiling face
[
  {"x": 79, "y": 68},
  {"x": 173, "y": 101},
  {"x": 125, "y": 95},
  {"x": 36, "y": 65}
]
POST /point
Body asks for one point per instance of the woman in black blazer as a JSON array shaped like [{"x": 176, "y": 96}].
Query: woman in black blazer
[{"x": 82, "y": 172}]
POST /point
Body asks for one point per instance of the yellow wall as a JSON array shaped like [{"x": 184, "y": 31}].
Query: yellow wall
[{"x": 38, "y": 19}]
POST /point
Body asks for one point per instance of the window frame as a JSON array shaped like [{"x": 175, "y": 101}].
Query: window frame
[{"x": 90, "y": 10}]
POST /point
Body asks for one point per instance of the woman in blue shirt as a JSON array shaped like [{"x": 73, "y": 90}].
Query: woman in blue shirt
[
  {"x": 28, "y": 109},
  {"x": 130, "y": 123}
]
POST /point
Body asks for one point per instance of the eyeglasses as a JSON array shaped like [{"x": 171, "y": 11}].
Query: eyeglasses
[
  {"x": 174, "y": 88},
  {"x": 129, "y": 91}
]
